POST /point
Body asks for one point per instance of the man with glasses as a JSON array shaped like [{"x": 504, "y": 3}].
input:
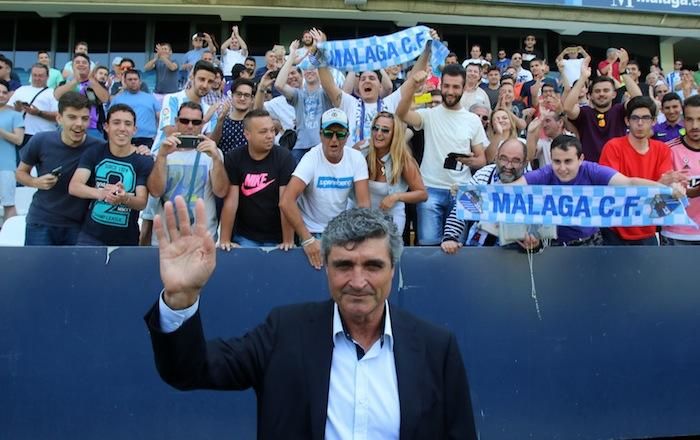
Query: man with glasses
[
  {"x": 193, "y": 173},
  {"x": 322, "y": 183},
  {"x": 229, "y": 133},
  {"x": 637, "y": 155},
  {"x": 522, "y": 75},
  {"x": 509, "y": 166}
]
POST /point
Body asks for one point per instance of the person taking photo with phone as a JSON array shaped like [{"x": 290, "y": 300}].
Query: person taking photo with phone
[{"x": 191, "y": 171}]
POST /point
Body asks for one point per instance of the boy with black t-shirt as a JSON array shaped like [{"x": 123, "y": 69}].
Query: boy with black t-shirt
[{"x": 114, "y": 179}]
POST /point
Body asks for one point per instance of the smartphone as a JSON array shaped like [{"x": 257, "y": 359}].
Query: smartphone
[
  {"x": 57, "y": 171},
  {"x": 273, "y": 74},
  {"x": 22, "y": 103},
  {"x": 189, "y": 142},
  {"x": 460, "y": 155}
]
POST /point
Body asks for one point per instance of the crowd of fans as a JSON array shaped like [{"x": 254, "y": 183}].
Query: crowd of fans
[{"x": 276, "y": 151}]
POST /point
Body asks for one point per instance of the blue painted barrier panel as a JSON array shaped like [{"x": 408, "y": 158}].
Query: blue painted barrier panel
[{"x": 614, "y": 353}]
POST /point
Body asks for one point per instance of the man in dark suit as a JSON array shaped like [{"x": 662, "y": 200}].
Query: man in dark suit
[{"x": 352, "y": 367}]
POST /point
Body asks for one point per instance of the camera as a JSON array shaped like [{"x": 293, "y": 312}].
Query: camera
[
  {"x": 451, "y": 162},
  {"x": 189, "y": 142}
]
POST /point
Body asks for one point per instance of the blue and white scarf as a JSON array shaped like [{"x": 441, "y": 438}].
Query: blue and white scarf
[
  {"x": 572, "y": 205},
  {"x": 374, "y": 53}
]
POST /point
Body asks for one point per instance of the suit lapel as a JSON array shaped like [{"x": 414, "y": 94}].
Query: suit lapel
[
  {"x": 410, "y": 361},
  {"x": 318, "y": 350}
]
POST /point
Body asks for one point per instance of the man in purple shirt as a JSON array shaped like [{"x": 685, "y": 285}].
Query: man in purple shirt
[
  {"x": 603, "y": 120},
  {"x": 672, "y": 128},
  {"x": 568, "y": 167}
]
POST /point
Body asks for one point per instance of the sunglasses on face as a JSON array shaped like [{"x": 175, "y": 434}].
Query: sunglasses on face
[
  {"x": 186, "y": 121},
  {"x": 384, "y": 130},
  {"x": 328, "y": 134}
]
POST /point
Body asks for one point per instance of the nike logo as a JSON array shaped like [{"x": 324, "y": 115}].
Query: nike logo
[{"x": 254, "y": 183}]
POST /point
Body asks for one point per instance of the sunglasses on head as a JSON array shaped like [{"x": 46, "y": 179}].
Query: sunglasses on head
[
  {"x": 186, "y": 121},
  {"x": 341, "y": 134},
  {"x": 384, "y": 130}
]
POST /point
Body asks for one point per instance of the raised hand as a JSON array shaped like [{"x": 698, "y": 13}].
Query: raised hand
[
  {"x": 293, "y": 47},
  {"x": 187, "y": 253}
]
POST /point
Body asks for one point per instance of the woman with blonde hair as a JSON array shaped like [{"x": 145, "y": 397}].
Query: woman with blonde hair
[
  {"x": 502, "y": 127},
  {"x": 394, "y": 175}
]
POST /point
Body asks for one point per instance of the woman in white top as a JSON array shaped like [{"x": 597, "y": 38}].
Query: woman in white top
[{"x": 394, "y": 175}]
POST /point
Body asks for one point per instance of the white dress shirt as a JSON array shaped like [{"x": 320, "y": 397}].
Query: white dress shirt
[{"x": 363, "y": 395}]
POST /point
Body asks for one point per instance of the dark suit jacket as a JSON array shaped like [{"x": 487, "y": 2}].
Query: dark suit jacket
[{"x": 287, "y": 360}]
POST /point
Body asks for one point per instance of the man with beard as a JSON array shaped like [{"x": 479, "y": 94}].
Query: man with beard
[
  {"x": 307, "y": 41},
  {"x": 603, "y": 120},
  {"x": 449, "y": 128},
  {"x": 685, "y": 154},
  {"x": 509, "y": 166},
  {"x": 202, "y": 78},
  {"x": 637, "y": 155},
  {"x": 672, "y": 127},
  {"x": 361, "y": 110},
  {"x": 55, "y": 217}
]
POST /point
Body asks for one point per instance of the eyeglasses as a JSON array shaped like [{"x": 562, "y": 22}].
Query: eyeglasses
[
  {"x": 242, "y": 95},
  {"x": 645, "y": 118},
  {"x": 328, "y": 134},
  {"x": 384, "y": 130},
  {"x": 186, "y": 121},
  {"x": 505, "y": 161}
]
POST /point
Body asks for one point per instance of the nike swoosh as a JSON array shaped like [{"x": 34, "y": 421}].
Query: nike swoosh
[{"x": 250, "y": 191}]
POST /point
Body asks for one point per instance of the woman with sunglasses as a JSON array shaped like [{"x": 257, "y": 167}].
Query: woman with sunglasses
[{"x": 394, "y": 175}]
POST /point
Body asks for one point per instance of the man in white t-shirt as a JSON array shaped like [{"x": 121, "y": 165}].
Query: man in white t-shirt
[
  {"x": 37, "y": 103},
  {"x": 322, "y": 183},
  {"x": 454, "y": 143},
  {"x": 233, "y": 51}
]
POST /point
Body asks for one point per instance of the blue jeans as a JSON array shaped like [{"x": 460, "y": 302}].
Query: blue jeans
[
  {"x": 432, "y": 215},
  {"x": 88, "y": 240},
  {"x": 298, "y": 153},
  {"x": 248, "y": 243},
  {"x": 45, "y": 235}
]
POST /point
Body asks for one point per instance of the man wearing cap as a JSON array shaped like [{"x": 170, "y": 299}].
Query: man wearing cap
[{"x": 322, "y": 183}]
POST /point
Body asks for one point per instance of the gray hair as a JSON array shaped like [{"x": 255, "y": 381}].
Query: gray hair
[
  {"x": 479, "y": 105},
  {"x": 357, "y": 225}
]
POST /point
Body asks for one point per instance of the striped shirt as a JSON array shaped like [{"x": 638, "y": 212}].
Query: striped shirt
[{"x": 454, "y": 227}]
